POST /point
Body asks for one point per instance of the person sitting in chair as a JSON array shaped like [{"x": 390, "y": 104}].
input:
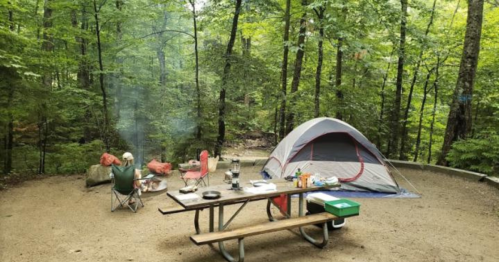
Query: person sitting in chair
[{"x": 129, "y": 161}]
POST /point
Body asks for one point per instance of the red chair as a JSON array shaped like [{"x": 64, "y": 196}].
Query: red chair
[{"x": 197, "y": 175}]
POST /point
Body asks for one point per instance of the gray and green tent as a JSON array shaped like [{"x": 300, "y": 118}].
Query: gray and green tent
[{"x": 332, "y": 147}]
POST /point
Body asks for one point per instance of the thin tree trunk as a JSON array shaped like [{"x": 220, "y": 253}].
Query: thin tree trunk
[
  {"x": 47, "y": 44},
  {"x": 339, "y": 67},
  {"x": 318, "y": 73},
  {"x": 435, "y": 87},
  {"x": 434, "y": 112},
  {"x": 198, "y": 90},
  {"x": 225, "y": 78},
  {"x": 41, "y": 144},
  {"x": 35, "y": 14},
  {"x": 162, "y": 66},
  {"x": 161, "y": 44},
  {"x": 9, "y": 142},
  {"x": 421, "y": 113},
  {"x": 297, "y": 72},
  {"x": 9, "y": 139},
  {"x": 83, "y": 74},
  {"x": 394, "y": 141},
  {"x": 159, "y": 49},
  {"x": 354, "y": 80},
  {"x": 12, "y": 25},
  {"x": 276, "y": 119},
  {"x": 101, "y": 80},
  {"x": 382, "y": 110},
  {"x": 119, "y": 6},
  {"x": 284, "y": 71},
  {"x": 48, "y": 47},
  {"x": 403, "y": 153},
  {"x": 119, "y": 61},
  {"x": 459, "y": 123},
  {"x": 246, "y": 48},
  {"x": 476, "y": 117}
]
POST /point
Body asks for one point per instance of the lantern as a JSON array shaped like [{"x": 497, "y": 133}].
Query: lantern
[{"x": 236, "y": 167}]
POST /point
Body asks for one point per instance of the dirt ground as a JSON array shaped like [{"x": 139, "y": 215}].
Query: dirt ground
[{"x": 58, "y": 219}]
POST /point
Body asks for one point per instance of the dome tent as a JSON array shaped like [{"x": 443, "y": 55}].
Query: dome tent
[{"x": 332, "y": 147}]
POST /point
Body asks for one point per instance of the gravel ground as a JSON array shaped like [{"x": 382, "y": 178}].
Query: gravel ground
[{"x": 58, "y": 219}]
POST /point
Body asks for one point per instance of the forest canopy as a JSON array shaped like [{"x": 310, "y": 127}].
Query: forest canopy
[{"x": 163, "y": 79}]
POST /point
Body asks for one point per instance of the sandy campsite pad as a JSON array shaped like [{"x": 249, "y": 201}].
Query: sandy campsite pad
[{"x": 58, "y": 219}]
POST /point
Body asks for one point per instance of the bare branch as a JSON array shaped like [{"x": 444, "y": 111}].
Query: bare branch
[{"x": 167, "y": 30}]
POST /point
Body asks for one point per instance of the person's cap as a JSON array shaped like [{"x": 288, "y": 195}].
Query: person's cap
[{"x": 127, "y": 156}]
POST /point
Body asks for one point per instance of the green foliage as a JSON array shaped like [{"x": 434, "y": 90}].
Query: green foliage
[
  {"x": 479, "y": 154},
  {"x": 153, "y": 119},
  {"x": 74, "y": 158}
]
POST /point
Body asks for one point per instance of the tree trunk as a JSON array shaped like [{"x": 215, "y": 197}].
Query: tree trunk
[
  {"x": 119, "y": 61},
  {"x": 318, "y": 72},
  {"x": 35, "y": 14},
  {"x": 421, "y": 113},
  {"x": 48, "y": 47},
  {"x": 394, "y": 141},
  {"x": 9, "y": 145},
  {"x": 276, "y": 116},
  {"x": 382, "y": 110},
  {"x": 246, "y": 46},
  {"x": 459, "y": 122},
  {"x": 83, "y": 74},
  {"x": 119, "y": 6},
  {"x": 221, "y": 109},
  {"x": 9, "y": 138},
  {"x": 198, "y": 90},
  {"x": 47, "y": 44},
  {"x": 434, "y": 112},
  {"x": 339, "y": 67},
  {"x": 297, "y": 71},
  {"x": 475, "y": 119},
  {"x": 101, "y": 80},
  {"x": 159, "y": 49},
  {"x": 354, "y": 79},
  {"x": 284, "y": 71},
  {"x": 403, "y": 152},
  {"x": 12, "y": 25},
  {"x": 162, "y": 66}
]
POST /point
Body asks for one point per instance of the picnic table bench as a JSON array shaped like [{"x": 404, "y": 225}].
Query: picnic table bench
[{"x": 230, "y": 197}]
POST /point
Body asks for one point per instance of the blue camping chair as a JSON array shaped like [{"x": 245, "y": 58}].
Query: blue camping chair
[{"x": 123, "y": 189}]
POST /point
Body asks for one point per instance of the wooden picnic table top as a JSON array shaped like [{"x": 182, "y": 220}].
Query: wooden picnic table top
[{"x": 229, "y": 196}]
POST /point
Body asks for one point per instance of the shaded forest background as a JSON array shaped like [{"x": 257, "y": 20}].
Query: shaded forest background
[{"x": 165, "y": 78}]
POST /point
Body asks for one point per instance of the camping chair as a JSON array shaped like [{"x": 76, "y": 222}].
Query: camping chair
[
  {"x": 124, "y": 178},
  {"x": 197, "y": 175}
]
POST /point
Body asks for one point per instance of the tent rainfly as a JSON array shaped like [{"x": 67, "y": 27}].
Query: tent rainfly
[{"x": 332, "y": 147}]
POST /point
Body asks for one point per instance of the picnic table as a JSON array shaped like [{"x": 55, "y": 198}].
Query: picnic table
[{"x": 195, "y": 202}]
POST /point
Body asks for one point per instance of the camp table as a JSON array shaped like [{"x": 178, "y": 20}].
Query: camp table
[{"x": 229, "y": 197}]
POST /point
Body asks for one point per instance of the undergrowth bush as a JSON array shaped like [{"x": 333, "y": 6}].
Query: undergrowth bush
[
  {"x": 72, "y": 158},
  {"x": 479, "y": 154}
]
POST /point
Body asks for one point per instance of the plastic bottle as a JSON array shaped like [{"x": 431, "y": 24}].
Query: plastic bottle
[{"x": 298, "y": 173}]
